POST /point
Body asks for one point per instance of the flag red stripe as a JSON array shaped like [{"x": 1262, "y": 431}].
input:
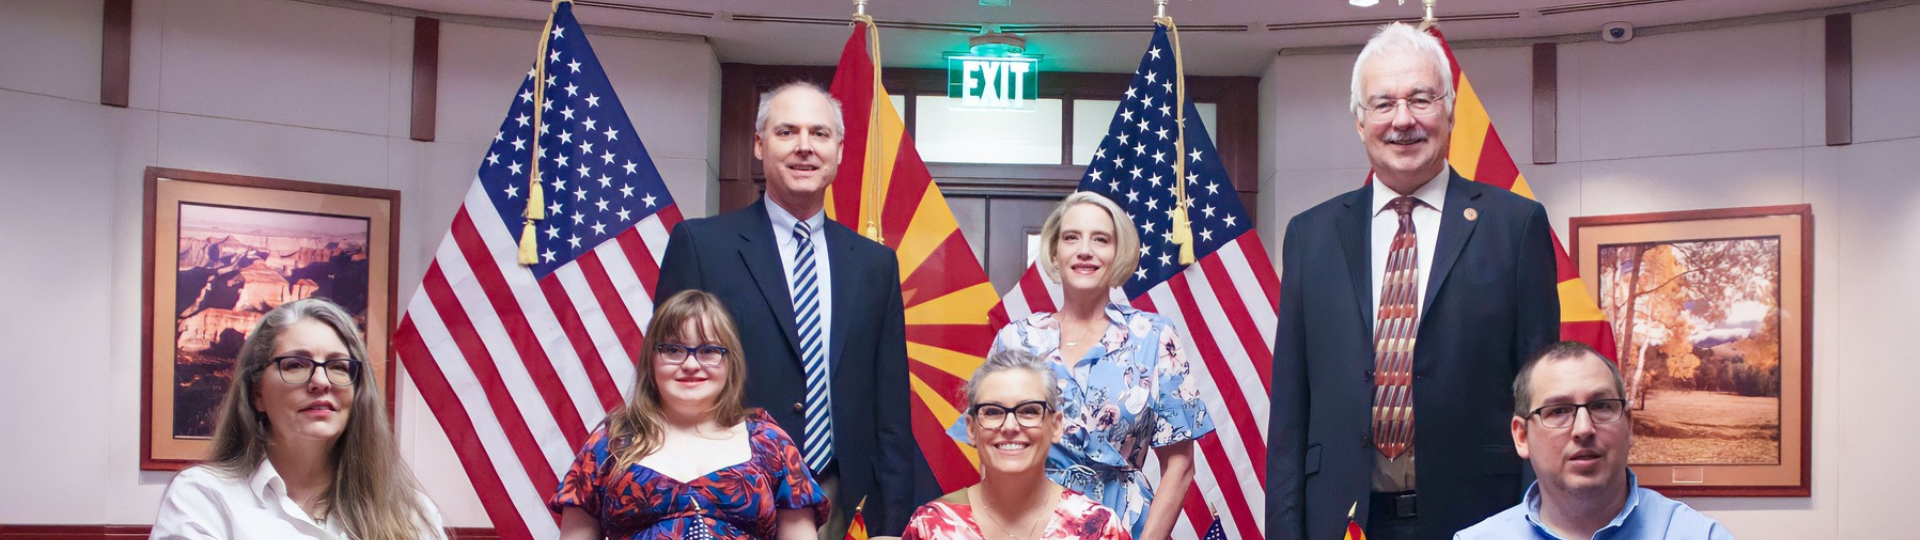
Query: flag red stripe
[
  {"x": 904, "y": 192},
  {"x": 1034, "y": 288},
  {"x": 646, "y": 269},
  {"x": 624, "y": 327},
  {"x": 576, "y": 331},
  {"x": 853, "y": 85},
  {"x": 1225, "y": 477},
  {"x": 1564, "y": 270},
  {"x": 948, "y": 385},
  {"x": 950, "y": 468},
  {"x": 1592, "y": 332},
  {"x": 944, "y": 271},
  {"x": 460, "y": 328},
  {"x": 1255, "y": 252},
  {"x": 1496, "y": 165},
  {"x": 1217, "y": 365},
  {"x": 424, "y": 369},
  {"x": 539, "y": 368},
  {"x": 1238, "y": 316}
]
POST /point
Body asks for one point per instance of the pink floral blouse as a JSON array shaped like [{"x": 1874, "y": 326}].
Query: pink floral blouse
[{"x": 1076, "y": 518}]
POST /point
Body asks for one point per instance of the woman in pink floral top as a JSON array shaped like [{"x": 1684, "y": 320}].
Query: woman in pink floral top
[{"x": 1013, "y": 420}]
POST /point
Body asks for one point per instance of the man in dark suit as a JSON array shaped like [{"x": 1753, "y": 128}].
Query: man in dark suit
[
  {"x": 819, "y": 312},
  {"x": 1406, "y": 308}
]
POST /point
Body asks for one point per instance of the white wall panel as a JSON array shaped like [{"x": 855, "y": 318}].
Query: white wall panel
[
  {"x": 1690, "y": 93},
  {"x": 51, "y": 47},
  {"x": 1316, "y": 129},
  {"x": 1660, "y": 184},
  {"x": 253, "y": 148},
  {"x": 481, "y": 67},
  {"x": 277, "y": 62},
  {"x": 1885, "y": 44}
]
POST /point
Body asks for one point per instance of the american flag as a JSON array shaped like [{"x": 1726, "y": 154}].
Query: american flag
[
  {"x": 520, "y": 362},
  {"x": 1224, "y": 303},
  {"x": 1216, "y": 532}
]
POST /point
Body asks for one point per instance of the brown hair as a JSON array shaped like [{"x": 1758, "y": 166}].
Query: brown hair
[
  {"x": 371, "y": 489},
  {"x": 1563, "y": 350},
  {"x": 640, "y": 419}
]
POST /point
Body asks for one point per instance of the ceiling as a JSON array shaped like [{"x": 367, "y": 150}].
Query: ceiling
[{"x": 1246, "y": 42}]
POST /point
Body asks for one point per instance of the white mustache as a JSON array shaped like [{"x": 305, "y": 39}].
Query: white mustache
[{"x": 1410, "y": 135}]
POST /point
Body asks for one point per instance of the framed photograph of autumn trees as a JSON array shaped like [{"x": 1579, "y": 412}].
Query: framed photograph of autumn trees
[
  {"x": 1712, "y": 313},
  {"x": 221, "y": 251}
]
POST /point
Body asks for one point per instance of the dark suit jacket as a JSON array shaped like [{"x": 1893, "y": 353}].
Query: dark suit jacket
[
  {"x": 734, "y": 257},
  {"x": 1490, "y": 302}
]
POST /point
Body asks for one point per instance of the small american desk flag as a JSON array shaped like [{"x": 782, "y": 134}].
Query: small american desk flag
[
  {"x": 519, "y": 362},
  {"x": 1224, "y": 303}
]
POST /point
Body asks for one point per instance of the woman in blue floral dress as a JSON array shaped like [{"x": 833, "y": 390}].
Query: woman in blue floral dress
[
  {"x": 1127, "y": 383},
  {"x": 684, "y": 456}
]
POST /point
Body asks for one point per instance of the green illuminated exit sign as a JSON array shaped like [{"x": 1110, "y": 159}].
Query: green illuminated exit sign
[{"x": 994, "y": 82}]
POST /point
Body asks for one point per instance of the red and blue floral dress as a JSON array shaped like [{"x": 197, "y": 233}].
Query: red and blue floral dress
[{"x": 737, "y": 502}]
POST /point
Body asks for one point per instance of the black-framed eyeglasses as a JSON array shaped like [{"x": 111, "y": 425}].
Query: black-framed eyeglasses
[
  {"x": 1558, "y": 416},
  {"x": 673, "y": 354},
  {"x": 299, "y": 369},
  {"x": 992, "y": 415},
  {"x": 1422, "y": 104}
]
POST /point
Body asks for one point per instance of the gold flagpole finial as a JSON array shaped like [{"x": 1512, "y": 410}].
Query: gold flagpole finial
[
  {"x": 1428, "y": 20},
  {"x": 1351, "y": 509}
]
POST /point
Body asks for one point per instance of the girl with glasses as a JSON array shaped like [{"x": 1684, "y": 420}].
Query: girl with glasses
[
  {"x": 1013, "y": 420},
  {"x": 301, "y": 445},
  {"x": 685, "y": 458}
]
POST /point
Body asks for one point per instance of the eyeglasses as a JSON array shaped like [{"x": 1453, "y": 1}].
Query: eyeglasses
[
  {"x": 672, "y": 354},
  {"x": 1381, "y": 109},
  {"x": 1605, "y": 411},
  {"x": 299, "y": 369},
  {"x": 992, "y": 416}
]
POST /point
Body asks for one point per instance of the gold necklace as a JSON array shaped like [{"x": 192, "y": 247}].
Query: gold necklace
[{"x": 1004, "y": 529}]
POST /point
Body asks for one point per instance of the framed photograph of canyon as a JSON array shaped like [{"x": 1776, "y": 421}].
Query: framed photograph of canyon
[
  {"x": 221, "y": 251},
  {"x": 1712, "y": 312}
]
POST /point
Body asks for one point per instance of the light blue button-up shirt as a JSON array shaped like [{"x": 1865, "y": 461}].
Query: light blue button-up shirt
[{"x": 1648, "y": 515}]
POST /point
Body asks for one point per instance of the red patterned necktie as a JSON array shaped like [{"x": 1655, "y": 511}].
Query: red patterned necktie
[{"x": 1397, "y": 323}]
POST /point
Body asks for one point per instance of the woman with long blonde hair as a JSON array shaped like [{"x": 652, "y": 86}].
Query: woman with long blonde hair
[
  {"x": 684, "y": 456},
  {"x": 301, "y": 446}
]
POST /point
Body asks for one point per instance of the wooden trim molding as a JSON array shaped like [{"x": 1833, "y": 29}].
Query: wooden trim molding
[
  {"x": 426, "y": 77},
  {"x": 116, "y": 52},
  {"x": 1546, "y": 103},
  {"x": 139, "y": 532},
  {"x": 1839, "y": 68}
]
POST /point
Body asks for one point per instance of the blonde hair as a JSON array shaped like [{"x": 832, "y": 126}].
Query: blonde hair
[
  {"x": 1398, "y": 37},
  {"x": 1126, "y": 240},
  {"x": 372, "y": 490},
  {"x": 641, "y": 420}
]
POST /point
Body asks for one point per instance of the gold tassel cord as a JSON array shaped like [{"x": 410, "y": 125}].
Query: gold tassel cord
[
  {"x": 1182, "y": 227},
  {"x": 536, "y": 197},
  {"x": 871, "y": 207}
]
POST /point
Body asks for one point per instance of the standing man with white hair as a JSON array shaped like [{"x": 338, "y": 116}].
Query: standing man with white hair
[
  {"x": 1406, "y": 308},
  {"x": 819, "y": 310}
]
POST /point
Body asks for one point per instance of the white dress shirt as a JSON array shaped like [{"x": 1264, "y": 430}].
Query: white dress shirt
[
  {"x": 783, "y": 224},
  {"x": 203, "y": 503},
  {"x": 1397, "y": 475}
]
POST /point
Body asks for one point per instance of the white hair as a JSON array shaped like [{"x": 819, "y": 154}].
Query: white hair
[
  {"x": 766, "y": 101},
  {"x": 1398, "y": 37}
]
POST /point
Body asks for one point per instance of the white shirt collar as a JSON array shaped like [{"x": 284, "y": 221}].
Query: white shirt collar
[
  {"x": 264, "y": 478},
  {"x": 784, "y": 222},
  {"x": 1433, "y": 193}
]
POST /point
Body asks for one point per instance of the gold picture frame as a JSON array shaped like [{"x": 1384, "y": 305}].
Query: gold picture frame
[
  {"x": 1713, "y": 315},
  {"x": 219, "y": 251}
]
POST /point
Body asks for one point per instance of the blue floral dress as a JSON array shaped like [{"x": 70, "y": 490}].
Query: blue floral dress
[
  {"x": 1132, "y": 391},
  {"x": 739, "y": 502}
]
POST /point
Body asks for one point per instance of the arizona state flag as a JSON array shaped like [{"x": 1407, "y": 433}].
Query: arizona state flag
[
  {"x": 883, "y": 191},
  {"x": 1478, "y": 154}
]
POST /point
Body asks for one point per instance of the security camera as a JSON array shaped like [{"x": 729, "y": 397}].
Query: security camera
[{"x": 1617, "y": 32}]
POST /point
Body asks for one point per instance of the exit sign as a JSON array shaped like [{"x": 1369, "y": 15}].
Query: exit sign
[{"x": 994, "y": 82}]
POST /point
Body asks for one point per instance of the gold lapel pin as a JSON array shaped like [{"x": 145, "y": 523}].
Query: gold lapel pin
[{"x": 1472, "y": 214}]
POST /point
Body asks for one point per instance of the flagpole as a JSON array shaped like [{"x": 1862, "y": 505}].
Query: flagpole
[
  {"x": 1427, "y": 21},
  {"x": 1182, "y": 227},
  {"x": 536, "y": 198}
]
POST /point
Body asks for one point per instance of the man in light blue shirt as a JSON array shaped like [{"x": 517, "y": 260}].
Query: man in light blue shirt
[{"x": 1585, "y": 490}]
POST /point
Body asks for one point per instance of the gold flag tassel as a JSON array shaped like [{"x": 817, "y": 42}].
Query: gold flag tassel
[
  {"x": 876, "y": 187},
  {"x": 1182, "y": 227},
  {"x": 536, "y": 197}
]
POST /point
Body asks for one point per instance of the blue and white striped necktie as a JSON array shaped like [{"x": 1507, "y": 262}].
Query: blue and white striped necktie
[{"x": 818, "y": 444}]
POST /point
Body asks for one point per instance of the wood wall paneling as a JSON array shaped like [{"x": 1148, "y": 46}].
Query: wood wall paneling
[
  {"x": 426, "y": 76},
  {"x": 1546, "y": 103},
  {"x": 1839, "y": 68},
  {"x": 116, "y": 52}
]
